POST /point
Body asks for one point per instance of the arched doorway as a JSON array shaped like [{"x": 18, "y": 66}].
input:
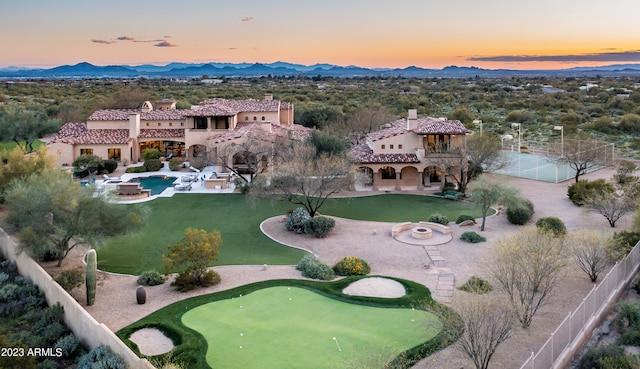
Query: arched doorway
[
  {"x": 432, "y": 174},
  {"x": 244, "y": 162},
  {"x": 366, "y": 175}
]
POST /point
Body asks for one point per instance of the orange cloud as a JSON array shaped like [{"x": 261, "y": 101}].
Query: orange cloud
[
  {"x": 246, "y": 19},
  {"x": 165, "y": 44},
  {"x": 105, "y": 42}
]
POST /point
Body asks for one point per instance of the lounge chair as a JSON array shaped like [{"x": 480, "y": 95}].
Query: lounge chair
[
  {"x": 107, "y": 178},
  {"x": 182, "y": 187}
]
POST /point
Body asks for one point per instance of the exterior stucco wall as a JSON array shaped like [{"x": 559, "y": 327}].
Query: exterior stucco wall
[
  {"x": 62, "y": 153},
  {"x": 257, "y": 117},
  {"x": 108, "y": 124}
]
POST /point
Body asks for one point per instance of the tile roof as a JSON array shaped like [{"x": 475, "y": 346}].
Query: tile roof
[
  {"x": 425, "y": 126},
  {"x": 364, "y": 155},
  {"x": 161, "y": 133},
  {"x": 247, "y": 105},
  {"x": 77, "y": 133},
  {"x": 296, "y": 132},
  {"x": 123, "y": 114}
]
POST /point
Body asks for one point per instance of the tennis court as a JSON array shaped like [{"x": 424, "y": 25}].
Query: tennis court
[{"x": 538, "y": 167}]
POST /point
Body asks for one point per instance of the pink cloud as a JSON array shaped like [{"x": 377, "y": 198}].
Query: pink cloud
[
  {"x": 126, "y": 38},
  {"x": 165, "y": 44},
  {"x": 246, "y": 19},
  {"x": 105, "y": 42}
]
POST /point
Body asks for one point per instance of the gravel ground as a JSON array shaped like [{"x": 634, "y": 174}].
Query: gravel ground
[{"x": 116, "y": 304}]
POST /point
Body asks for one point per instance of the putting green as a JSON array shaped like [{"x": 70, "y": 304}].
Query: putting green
[{"x": 291, "y": 327}]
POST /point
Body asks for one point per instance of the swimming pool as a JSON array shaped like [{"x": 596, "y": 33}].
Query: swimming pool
[{"x": 156, "y": 184}]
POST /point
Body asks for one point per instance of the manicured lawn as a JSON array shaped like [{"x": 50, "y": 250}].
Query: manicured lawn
[
  {"x": 238, "y": 219},
  {"x": 276, "y": 332}
]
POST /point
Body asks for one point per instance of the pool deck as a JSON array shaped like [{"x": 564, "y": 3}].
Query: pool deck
[{"x": 196, "y": 187}]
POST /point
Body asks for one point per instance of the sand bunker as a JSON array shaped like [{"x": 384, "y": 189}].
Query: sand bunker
[
  {"x": 151, "y": 341},
  {"x": 375, "y": 287}
]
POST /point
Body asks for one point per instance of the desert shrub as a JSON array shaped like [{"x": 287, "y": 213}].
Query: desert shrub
[
  {"x": 53, "y": 332},
  {"x": 472, "y": 237},
  {"x": 69, "y": 345},
  {"x": 438, "y": 218},
  {"x": 313, "y": 268},
  {"x": 520, "y": 212},
  {"x": 47, "y": 364},
  {"x": 448, "y": 186},
  {"x": 175, "y": 163},
  {"x": 138, "y": 169},
  {"x": 186, "y": 281},
  {"x": 148, "y": 154},
  {"x": 100, "y": 357},
  {"x": 150, "y": 278},
  {"x": 602, "y": 357},
  {"x": 463, "y": 217},
  {"x": 351, "y": 265},
  {"x": 70, "y": 278},
  {"x": 581, "y": 190},
  {"x": 552, "y": 225},
  {"x": 621, "y": 243},
  {"x": 110, "y": 165},
  {"x": 296, "y": 220},
  {"x": 319, "y": 226},
  {"x": 476, "y": 285},
  {"x": 153, "y": 165}
]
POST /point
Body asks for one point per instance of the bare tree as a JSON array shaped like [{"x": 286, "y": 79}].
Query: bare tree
[
  {"x": 309, "y": 180},
  {"x": 582, "y": 154},
  {"x": 254, "y": 154},
  {"x": 464, "y": 164},
  {"x": 488, "y": 321},
  {"x": 589, "y": 252},
  {"x": 612, "y": 205},
  {"x": 527, "y": 266},
  {"x": 364, "y": 120}
]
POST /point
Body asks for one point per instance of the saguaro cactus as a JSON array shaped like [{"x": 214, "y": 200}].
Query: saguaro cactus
[{"x": 90, "y": 280}]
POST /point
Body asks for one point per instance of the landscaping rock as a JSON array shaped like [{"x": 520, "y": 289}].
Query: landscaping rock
[{"x": 467, "y": 223}]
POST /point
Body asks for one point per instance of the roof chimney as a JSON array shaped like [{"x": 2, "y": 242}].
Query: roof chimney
[{"x": 412, "y": 119}]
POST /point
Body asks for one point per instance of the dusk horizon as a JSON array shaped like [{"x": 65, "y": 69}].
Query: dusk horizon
[{"x": 369, "y": 34}]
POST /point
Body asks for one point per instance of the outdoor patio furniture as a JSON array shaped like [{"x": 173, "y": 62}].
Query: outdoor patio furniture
[
  {"x": 107, "y": 178},
  {"x": 183, "y": 187}
]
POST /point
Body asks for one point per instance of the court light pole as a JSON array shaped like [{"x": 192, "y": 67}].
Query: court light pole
[
  {"x": 561, "y": 129},
  {"x": 519, "y": 146},
  {"x": 519, "y": 131}
]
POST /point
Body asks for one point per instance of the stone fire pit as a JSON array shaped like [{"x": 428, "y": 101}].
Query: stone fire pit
[{"x": 421, "y": 233}]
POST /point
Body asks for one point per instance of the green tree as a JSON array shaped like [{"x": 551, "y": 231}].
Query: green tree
[
  {"x": 90, "y": 162},
  {"x": 487, "y": 192},
  {"x": 327, "y": 144},
  {"x": 462, "y": 114},
  {"x": 15, "y": 165},
  {"x": 54, "y": 214},
  {"x": 24, "y": 127},
  {"x": 191, "y": 256}
]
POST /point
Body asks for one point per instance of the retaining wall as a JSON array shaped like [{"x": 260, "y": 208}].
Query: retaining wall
[{"x": 84, "y": 326}]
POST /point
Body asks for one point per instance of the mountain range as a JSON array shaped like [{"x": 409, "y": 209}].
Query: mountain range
[{"x": 86, "y": 70}]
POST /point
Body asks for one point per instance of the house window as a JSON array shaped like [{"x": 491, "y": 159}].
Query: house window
[
  {"x": 147, "y": 124},
  {"x": 391, "y": 147},
  {"x": 159, "y": 124},
  {"x": 388, "y": 173},
  {"x": 400, "y": 146},
  {"x": 170, "y": 124},
  {"x": 263, "y": 117},
  {"x": 86, "y": 151},
  {"x": 181, "y": 124},
  {"x": 382, "y": 147},
  {"x": 255, "y": 118},
  {"x": 246, "y": 118},
  {"x": 114, "y": 154},
  {"x": 200, "y": 123}
]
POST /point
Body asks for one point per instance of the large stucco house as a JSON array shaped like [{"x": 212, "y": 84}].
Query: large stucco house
[
  {"x": 122, "y": 134},
  {"x": 412, "y": 153}
]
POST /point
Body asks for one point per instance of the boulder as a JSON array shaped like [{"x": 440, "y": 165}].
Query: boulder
[{"x": 467, "y": 223}]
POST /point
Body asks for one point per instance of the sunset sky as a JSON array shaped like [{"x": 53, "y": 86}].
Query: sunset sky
[{"x": 542, "y": 34}]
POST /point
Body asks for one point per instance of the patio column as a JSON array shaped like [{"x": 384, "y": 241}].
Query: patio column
[
  {"x": 421, "y": 180},
  {"x": 398, "y": 180},
  {"x": 374, "y": 181}
]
